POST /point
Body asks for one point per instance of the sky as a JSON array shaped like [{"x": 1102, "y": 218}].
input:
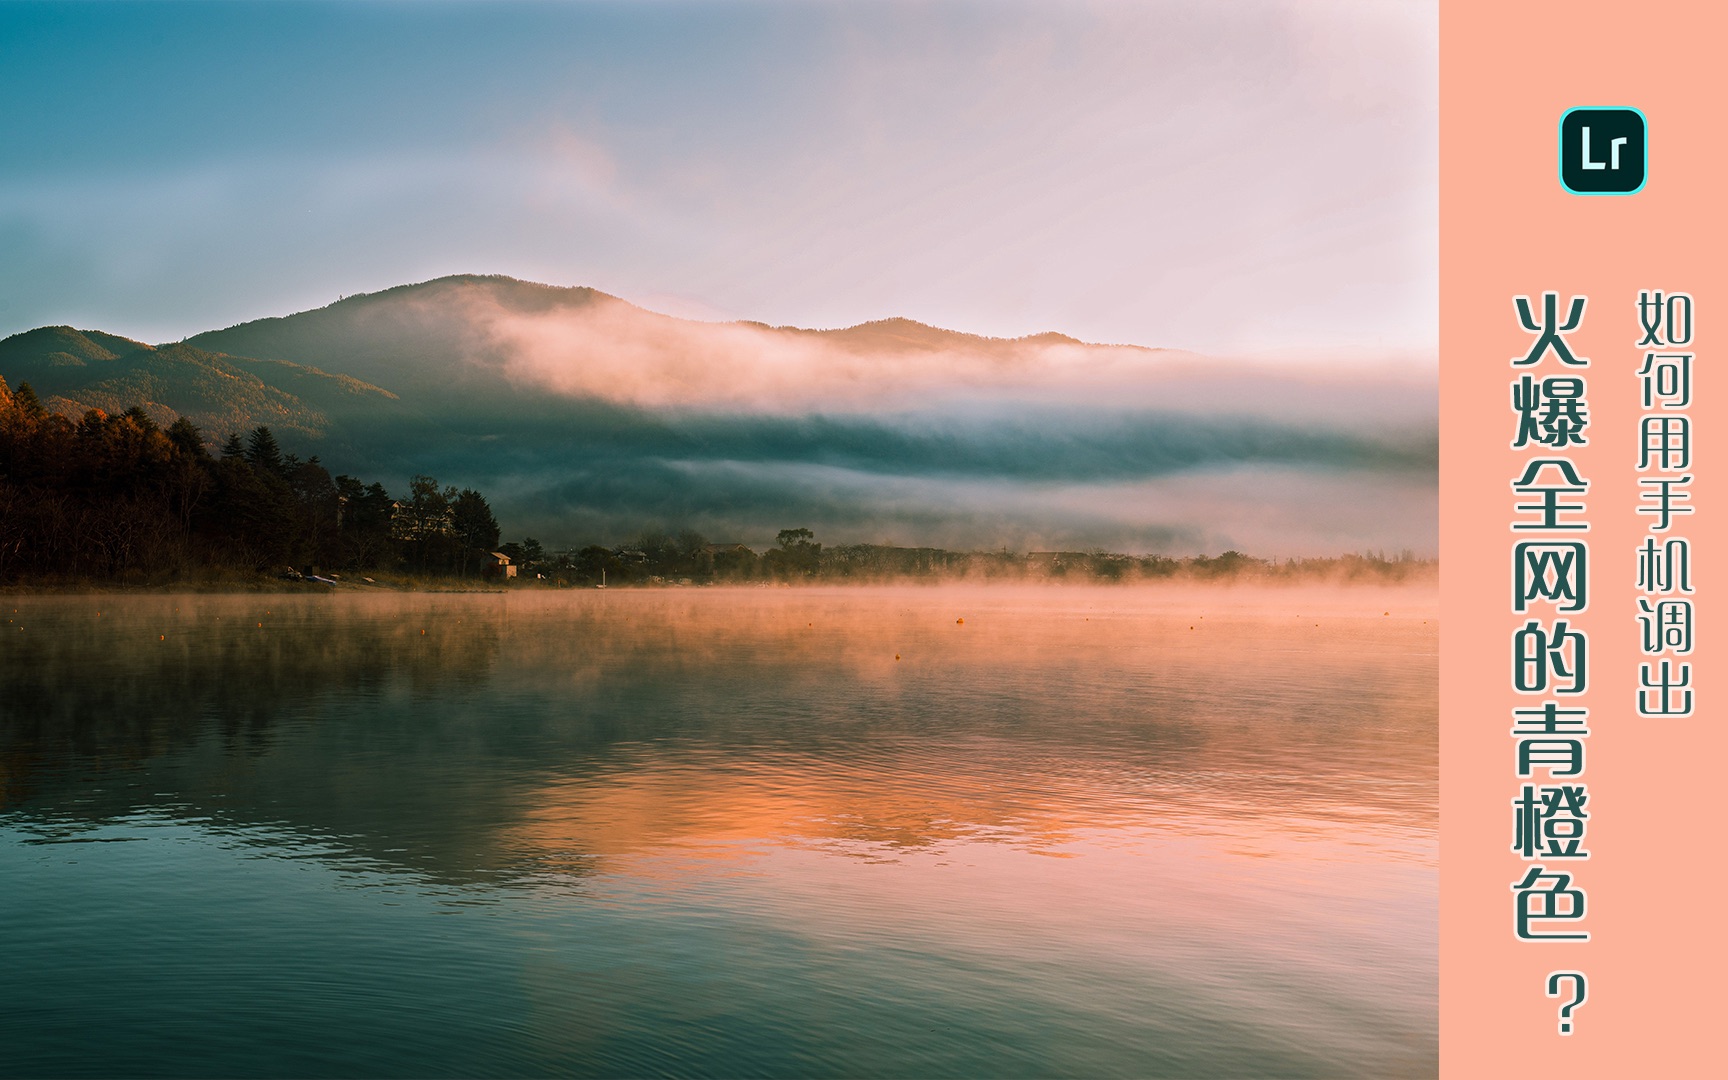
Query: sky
[{"x": 1234, "y": 177}]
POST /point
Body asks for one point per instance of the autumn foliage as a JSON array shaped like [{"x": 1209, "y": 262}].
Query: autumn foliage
[{"x": 118, "y": 497}]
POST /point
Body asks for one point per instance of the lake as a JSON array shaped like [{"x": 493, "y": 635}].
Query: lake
[{"x": 935, "y": 832}]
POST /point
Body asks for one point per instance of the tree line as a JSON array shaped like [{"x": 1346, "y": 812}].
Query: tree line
[
  {"x": 687, "y": 558},
  {"x": 118, "y": 497}
]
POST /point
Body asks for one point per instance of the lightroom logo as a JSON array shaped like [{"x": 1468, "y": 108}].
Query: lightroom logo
[{"x": 1603, "y": 151}]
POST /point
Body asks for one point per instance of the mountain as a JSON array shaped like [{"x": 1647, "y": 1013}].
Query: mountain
[
  {"x": 586, "y": 418},
  {"x": 63, "y": 347},
  {"x": 465, "y": 345},
  {"x": 423, "y": 340},
  {"x": 448, "y": 328},
  {"x": 76, "y": 370}
]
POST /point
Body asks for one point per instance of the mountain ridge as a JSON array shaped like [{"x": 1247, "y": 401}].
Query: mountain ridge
[
  {"x": 587, "y": 294},
  {"x": 75, "y": 370}
]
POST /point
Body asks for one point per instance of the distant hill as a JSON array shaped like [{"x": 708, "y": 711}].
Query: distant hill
[
  {"x": 76, "y": 370},
  {"x": 407, "y": 330},
  {"x": 51, "y": 347},
  {"x": 421, "y": 340},
  {"x": 457, "y": 341},
  {"x": 908, "y": 335}
]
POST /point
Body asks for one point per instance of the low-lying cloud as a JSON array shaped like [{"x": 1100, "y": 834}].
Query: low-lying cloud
[
  {"x": 586, "y": 418},
  {"x": 1027, "y": 479},
  {"x": 613, "y": 351}
]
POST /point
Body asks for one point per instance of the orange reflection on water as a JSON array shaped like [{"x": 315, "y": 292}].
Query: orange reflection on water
[{"x": 1119, "y": 716}]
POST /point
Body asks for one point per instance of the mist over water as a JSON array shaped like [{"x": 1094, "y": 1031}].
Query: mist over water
[{"x": 936, "y": 832}]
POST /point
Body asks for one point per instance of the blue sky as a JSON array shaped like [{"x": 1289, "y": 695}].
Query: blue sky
[{"x": 1228, "y": 176}]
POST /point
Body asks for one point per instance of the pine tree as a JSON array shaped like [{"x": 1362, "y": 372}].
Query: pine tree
[
  {"x": 186, "y": 437},
  {"x": 28, "y": 402},
  {"x": 474, "y": 521},
  {"x": 262, "y": 453}
]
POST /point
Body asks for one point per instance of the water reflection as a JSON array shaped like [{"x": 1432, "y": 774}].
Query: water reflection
[{"x": 1198, "y": 798}]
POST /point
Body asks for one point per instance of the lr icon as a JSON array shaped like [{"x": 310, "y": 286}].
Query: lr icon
[{"x": 1602, "y": 151}]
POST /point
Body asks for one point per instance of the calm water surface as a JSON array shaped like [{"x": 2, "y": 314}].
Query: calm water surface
[{"x": 1063, "y": 832}]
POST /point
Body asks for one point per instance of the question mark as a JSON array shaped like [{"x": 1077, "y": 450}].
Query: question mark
[{"x": 1578, "y": 996}]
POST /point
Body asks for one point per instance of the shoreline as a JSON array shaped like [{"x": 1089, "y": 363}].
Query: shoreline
[{"x": 270, "y": 585}]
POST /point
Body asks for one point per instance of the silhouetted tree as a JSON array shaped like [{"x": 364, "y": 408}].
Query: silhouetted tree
[
  {"x": 365, "y": 513},
  {"x": 595, "y": 565},
  {"x": 116, "y": 496},
  {"x": 28, "y": 403},
  {"x": 186, "y": 437},
  {"x": 475, "y": 526},
  {"x": 262, "y": 451},
  {"x": 426, "y": 525},
  {"x": 318, "y": 538},
  {"x": 797, "y": 556}
]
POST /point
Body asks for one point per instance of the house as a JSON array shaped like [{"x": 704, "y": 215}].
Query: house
[{"x": 498, "y": 565}]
